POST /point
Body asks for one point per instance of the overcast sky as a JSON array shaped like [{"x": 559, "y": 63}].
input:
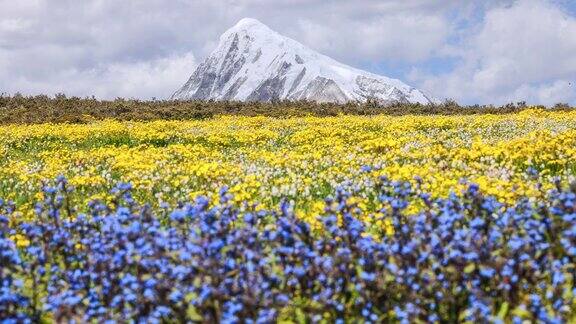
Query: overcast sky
[{"x": 492, "y": 51}]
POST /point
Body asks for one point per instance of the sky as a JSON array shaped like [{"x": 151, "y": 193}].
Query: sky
[{"x": 474, "y": 52}]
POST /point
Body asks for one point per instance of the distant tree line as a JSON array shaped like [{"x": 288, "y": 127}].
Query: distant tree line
[{"x": 60, "y": 108}]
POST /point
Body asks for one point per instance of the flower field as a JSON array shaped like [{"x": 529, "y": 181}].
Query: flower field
[{"x": 303, "y": 219}]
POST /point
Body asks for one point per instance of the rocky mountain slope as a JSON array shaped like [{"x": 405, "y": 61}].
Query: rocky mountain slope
[{"x": 254, "y": 63}]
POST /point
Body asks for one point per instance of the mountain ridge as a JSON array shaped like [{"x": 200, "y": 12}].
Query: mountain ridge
[{"x": 254, "y": 63}]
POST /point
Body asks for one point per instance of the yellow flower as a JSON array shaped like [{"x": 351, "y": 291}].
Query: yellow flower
[
  {"x": 302, "y": 159},
  {"x": 20, "y": 240}
]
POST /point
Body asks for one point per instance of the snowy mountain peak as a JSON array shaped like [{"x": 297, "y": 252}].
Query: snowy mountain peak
[
  {"x": 247, "y": 26},
  {"x": 248, "y": 23},
  {"x": 254, "y": 63}
]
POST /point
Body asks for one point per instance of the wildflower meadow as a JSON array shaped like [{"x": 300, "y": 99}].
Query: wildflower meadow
[{"x": 342, "y": 219}]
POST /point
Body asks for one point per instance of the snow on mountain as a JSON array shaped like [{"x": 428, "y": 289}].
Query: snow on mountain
[{"x": 254, "y": 63}]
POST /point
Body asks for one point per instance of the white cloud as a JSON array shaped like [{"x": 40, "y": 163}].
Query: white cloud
[
  {"x": 104, "y": 48},
  {"x": 505, "y": 49},
  {"x": 522, "y": 52},
  {"x": 405, "y": 37},
  {"x": 156, "y": 78},
  {"x": 559, "y": 91},
  {"x": 73, "y": 46}
]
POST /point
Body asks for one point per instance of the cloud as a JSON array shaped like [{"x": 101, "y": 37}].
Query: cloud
[
  {"x": 156, "y": 78},
  {"x": 488, "y": 51},
  {"x": 399, "y": 37},
  {"x": 521, "y": 52},
  {"x": 67, "y": 45},
  {"x": 104, "y": 48},
  {"x": 559, "y": 91},
  {"x": 362, "y": 30}
]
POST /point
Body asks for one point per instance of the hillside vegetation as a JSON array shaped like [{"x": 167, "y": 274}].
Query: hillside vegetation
[{"x": 44, "y": 109}]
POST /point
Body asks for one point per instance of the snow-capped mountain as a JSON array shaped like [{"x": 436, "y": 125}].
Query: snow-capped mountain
[{"x": 254, "y": 63}]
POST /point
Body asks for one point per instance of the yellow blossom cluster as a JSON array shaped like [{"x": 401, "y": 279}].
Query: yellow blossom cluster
[{"x": 303, "y": 159}]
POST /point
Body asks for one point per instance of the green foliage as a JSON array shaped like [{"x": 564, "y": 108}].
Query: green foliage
[{"x": 61, "y": 109}]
